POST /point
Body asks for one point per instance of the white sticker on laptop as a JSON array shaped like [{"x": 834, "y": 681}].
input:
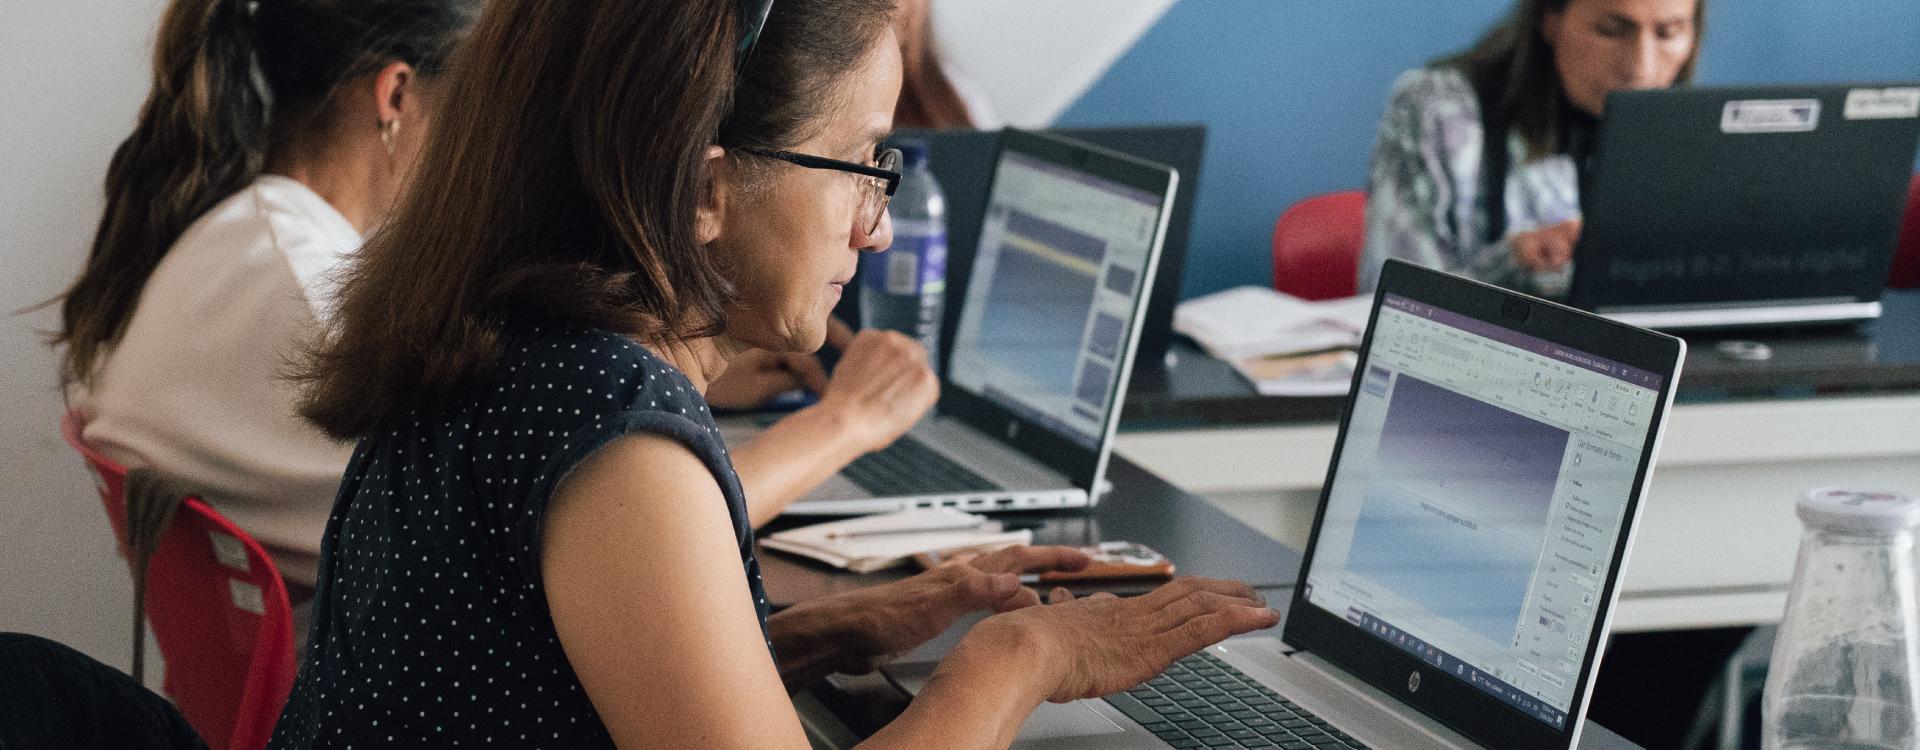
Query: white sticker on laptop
[
  {"x": 247, "y": 596},
  {"x": 1770, "y": 116},
  {"x": 229, "y": 551},
  {"x": 1900, "y": 103}
]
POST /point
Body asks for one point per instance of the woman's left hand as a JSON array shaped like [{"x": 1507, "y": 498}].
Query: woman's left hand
[
  {"x": 755, "y": 376},
  {"x": 865, "y": 628},
  {"x": 882, "y": 387}
]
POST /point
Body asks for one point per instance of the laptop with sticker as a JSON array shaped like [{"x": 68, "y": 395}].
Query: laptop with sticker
[{"x": 1745, "y": 206}]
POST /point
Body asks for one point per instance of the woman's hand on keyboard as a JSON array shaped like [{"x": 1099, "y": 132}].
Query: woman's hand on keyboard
[
  {"x": 872, "y": 625},
  {"x": 1102, "y": 644}
]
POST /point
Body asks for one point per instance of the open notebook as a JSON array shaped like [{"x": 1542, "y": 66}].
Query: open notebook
[
  {"x": 876, "y": 542},
  {"x": 1252, "y": 321}
]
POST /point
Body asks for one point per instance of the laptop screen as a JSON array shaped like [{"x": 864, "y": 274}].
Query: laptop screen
[
  {"x": 1482, "y": 484},
  {"x": 1053, "y": 294}
]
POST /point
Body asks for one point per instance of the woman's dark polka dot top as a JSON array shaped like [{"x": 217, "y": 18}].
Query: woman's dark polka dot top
[{"x": 430, "y": 626}]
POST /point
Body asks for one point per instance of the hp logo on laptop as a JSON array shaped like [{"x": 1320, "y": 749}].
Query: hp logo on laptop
[{"x": 1413, "y": 682}]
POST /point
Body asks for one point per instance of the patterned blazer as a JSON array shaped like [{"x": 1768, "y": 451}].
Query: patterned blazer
[{"x": 1424, "y": 202}]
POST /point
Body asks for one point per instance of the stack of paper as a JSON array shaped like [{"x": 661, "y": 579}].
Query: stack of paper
[
  {"x": 1320, "y": 374},
  {"x": 1254, "y": 321},
  {"x": 871, "y": 543},
  {"x": 1283, "y": 345}
]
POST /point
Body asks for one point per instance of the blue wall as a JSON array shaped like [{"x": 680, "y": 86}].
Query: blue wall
[{"x": 1291, "y": 90}]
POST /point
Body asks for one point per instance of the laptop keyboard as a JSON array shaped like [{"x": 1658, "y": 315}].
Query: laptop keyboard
[
  {"x": 909, "y": 467},
  {"x": 1201, "y": 702}
]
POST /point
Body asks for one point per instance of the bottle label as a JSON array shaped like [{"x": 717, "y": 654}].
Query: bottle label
[
  {"x": 915, "y": 264},
  {"x": 903, "y": 275}
]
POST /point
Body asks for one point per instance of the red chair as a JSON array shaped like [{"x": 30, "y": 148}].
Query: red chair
[
  {"x": 109, "y": 477},
  {"x": 1906, "y": 259},
  {"x": 1316, "y": 245},
  {"x": 218, "y": 608}
]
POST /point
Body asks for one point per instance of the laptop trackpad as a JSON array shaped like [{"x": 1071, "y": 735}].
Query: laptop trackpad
[
  {"x": 1051, "y": 721},
  {"x": 1054, "y": 721}
]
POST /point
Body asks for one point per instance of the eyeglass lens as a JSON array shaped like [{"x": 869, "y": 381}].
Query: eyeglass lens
[{"x": 873, "y": 206}]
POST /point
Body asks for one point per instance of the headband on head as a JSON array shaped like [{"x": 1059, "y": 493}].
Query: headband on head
[{"x": 753, "y": 19}]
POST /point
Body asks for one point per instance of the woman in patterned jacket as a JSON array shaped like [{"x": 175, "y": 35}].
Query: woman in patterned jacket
[{"x": 1536, "y": 85}]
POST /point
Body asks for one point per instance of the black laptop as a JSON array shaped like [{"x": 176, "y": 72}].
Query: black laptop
[{"x": 1718, "y": 207}]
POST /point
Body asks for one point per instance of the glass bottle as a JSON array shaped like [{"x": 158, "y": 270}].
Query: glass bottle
[{"x": 1843, "y": 671}]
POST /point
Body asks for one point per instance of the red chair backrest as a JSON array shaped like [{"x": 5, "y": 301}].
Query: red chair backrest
[
  {"x": 1906, "y": 259},
  {"x": 1316, "y": 245},
  {"x": 219, "y": 610},
  {"x": 109, "y": 477}
]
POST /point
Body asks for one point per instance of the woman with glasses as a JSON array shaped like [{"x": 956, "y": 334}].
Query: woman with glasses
[
  {"x": 933, "y": 94},
  {"x": 1480, "y": 157},
  {"x": 541, "y": 540},
  {"x": 881, "y": 386}
]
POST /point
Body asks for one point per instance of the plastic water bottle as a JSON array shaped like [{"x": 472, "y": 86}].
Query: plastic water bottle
[
  {"x": 904, "y": 289},
  {"x": 1844, "y": 666}
]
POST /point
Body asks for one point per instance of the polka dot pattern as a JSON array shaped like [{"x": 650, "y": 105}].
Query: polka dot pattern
[{"x": 430, "y": 625}]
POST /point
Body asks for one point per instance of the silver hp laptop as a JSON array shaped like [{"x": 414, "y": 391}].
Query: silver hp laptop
[
  {"x": 1464, "y": 562},
  {"x": 1715, "y": 207},
  {"x": 1047, "y": 326}
]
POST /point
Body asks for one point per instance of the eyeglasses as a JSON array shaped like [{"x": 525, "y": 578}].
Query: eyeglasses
[
  {"x": 753, "y": 19},
  {"x": 876, "y": 183}
]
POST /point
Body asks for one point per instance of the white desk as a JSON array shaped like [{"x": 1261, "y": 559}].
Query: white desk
[{"x": 1717, "y": 536}]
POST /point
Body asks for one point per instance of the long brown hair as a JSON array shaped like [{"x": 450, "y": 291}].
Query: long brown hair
[
  {"x": 206, "y": 128},
  {"x": 576, "y": 204},
  {"x": 1512, "y": 66},
  {"x": 928, "y": 99}
]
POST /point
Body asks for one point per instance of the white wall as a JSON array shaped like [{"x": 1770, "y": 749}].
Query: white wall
[
  {"x": 72, "y": 75},
  {"x": 1034, "y": 58}
]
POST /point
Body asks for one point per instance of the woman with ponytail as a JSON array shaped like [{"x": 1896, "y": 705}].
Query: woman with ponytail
[{"x": 276, "y": 134}]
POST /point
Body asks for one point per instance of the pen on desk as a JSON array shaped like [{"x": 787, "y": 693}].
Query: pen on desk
[{"x": 887, "y": 530}]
